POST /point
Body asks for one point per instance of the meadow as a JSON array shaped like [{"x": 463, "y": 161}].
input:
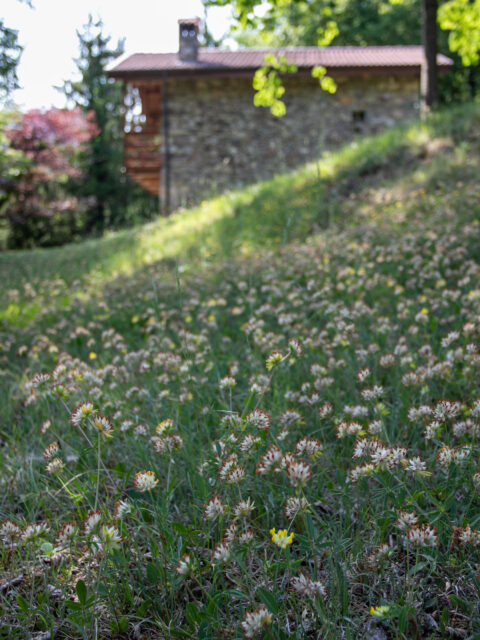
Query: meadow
[{"x": 258, "y": 417}]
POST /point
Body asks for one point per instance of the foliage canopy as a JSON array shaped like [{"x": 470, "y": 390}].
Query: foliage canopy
[
  {"x": 462, "y": 19},
  {"x": 41, "y": 156}
]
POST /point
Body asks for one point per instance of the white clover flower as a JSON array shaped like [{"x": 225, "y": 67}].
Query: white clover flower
[
  {"x": 259, "y": 419},
  {"x": 185, "y": 565},
  {"x": 299, "y": 473},
  {"x": 81, "y": 413},
  {"x": 92, "y": 522},
  {"x": 9, "y": 530},
  {"x": 34, "y": 531},
  {"x": 145, "y": 481},
  {"x": 416, "y": 464},
  {"x": 244, "y": 508},
  {"x": 422, "y": 536},
  {"x": 221, "y": 552},
  {"x": 270, "y": 461},
  {"x": 228, "y": 382},
  {"x": 295, "y": 505},
  {"x": 305, "y": 586},
  {"x": 449, "y": 338},
  {"x": 255, "y": 621},
  {"x": 122, "y": 509},
  {"x": 107, "y": 540},
  {"x": 54, "y": 466},
  {"x": 214, "y": 507}
]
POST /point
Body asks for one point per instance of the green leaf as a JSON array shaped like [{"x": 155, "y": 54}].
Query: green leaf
[
  {"x": 81, "y": 590},
  {"x": 140, "y": 612},
  {"x": 268, "y": 600},
  {"x": 192, "y": 614},
  {"x": 146, "y": 515},
  {"x": 310, "y": 529},
  {"x": 212, "y": 605},
  {"x": 418, "y": 567},
  {"x": 278, "y": 109},
  {"x": 180, "y": 528},
  {"x": 120, "y": 626},
  {"x": 279, "y": 634},
  {"x": 152, "y": 573},
  {"x": 402, "y": 620},
  {"x": 444, "y": 619},
  {"x": 23, "y": 604},
  {"x": 47, "y": 548},
  {"x": 328, "y": 84},
  {"x": 204, "y": 631}
]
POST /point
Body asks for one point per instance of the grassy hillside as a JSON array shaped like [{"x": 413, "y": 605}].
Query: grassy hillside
[
  {"x": 299, "y": 357},
  {"x": 367, "y": 182}
]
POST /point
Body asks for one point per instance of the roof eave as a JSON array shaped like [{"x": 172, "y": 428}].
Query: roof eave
[{"x": 249, "y": 72}]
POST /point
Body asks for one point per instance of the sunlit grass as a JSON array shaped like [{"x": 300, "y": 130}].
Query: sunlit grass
[
  {"x": 337, "y": 190},
  {"x": 299, "y": 356}
]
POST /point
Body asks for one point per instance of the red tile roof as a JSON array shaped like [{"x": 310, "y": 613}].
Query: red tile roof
[{"x": 407, "y": 57}]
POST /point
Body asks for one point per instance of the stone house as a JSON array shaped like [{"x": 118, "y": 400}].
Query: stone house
[{"x": 191, "y": 128}]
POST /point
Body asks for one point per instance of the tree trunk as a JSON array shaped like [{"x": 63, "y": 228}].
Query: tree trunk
[
  {"x": 472, "y": 81},
  {"x": 429, "y": 86}
]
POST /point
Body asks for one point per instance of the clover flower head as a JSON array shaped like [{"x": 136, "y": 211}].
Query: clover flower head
[
  {"x": 295, "y": 347},
  {"x": 81, "y": 413},
  {"x": 164, "y": 427},
  {"x": 185, "y": 565},
  {"x": 122, "y": 509},
  {"x": 51, "y": 451},
  {"x": 228, "y": 382},
  {"x": 54, "y": 466},
  {"x": 305, "y": 586},
  {"x": 255, "y": 621},
  {"x": 103, "y": 426},
  {"x": 91, "y": 522},
  {"x": 145, "y": 481},
  {"x": 214, "y": 507}
]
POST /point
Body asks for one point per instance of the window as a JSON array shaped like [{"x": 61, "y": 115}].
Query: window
[
  {"x": 358, "y": 117},
  {"x": 358, "y": 120}
]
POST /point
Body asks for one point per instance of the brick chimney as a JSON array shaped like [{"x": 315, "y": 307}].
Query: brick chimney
[{"x": 188, "y": 39}]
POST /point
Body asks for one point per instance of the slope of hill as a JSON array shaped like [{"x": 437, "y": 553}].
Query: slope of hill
[
  {"x": 260, "y": 416},
  {"x": 407, "y": 168}
]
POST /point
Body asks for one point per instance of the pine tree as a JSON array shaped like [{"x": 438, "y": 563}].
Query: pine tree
[
  {"x": 104, "y": 185},
  {"x": 10, "y": 52}
]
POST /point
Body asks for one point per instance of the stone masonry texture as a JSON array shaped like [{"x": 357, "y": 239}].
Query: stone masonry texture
[{"x": 219, "y": 140}]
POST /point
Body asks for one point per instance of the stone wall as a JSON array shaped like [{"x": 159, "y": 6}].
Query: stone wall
[{"x": 219, "y": 140}]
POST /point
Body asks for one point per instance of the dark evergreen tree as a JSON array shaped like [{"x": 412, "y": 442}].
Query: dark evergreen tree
[
  {"x": 10, "y": 52},
  {"x": 107, "y": 189}
]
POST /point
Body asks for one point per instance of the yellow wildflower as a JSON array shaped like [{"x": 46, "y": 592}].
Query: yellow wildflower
[
  {"x": 274, "y": 358},
  {"x": 282, "y": 538}
]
